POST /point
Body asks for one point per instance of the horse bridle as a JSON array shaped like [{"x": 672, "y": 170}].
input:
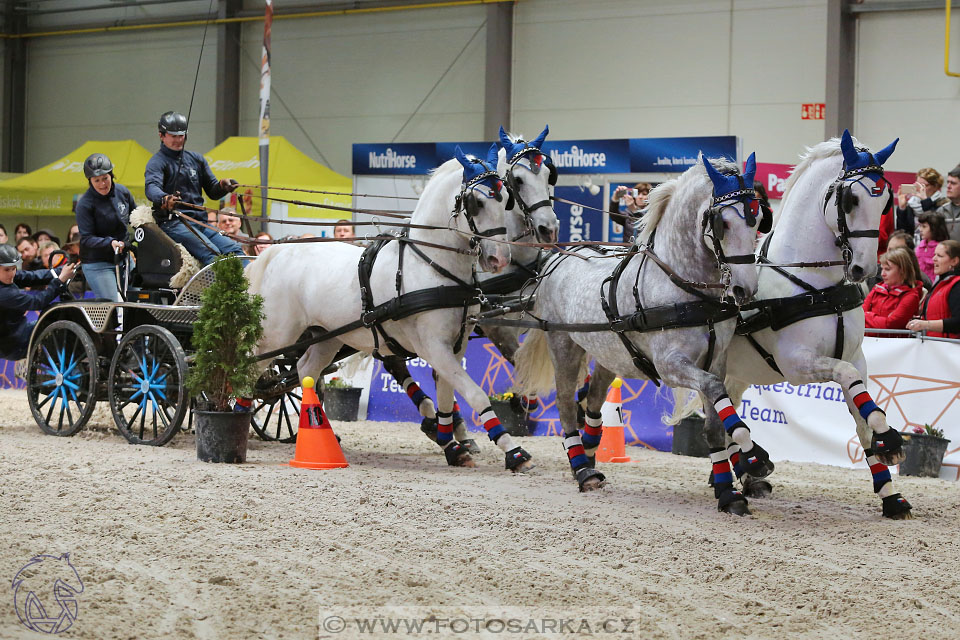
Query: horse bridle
[
  {"x": 755, "y": 213},
  {"x": 467, "y": 202},
  {"x": 536, "y": 161},
  {"x": 846, "y": 200}
]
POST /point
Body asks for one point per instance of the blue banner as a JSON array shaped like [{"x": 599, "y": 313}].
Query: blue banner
[
  {"x": 676, "y": 155},
  {"x": 578, "y": 223},
  {"x": 642, "y": 408},
  {"x": 635, "y": 155},
  {"x": 394, "y": 159}
]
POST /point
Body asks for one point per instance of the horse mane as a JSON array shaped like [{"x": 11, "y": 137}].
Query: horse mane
[
  {"x": 693, "y": 178},
  {"x": 819, "y": 151}
]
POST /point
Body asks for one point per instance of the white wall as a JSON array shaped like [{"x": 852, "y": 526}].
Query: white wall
[
  {"x": 902, "y": 90},
  {"x": 591, "y": 69}
]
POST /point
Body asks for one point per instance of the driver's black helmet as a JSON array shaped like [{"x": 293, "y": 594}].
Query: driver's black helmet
[
  {"x": 173, "y": 122},
  {"x": 9, "y": 257},
  {"x": 97, "y": 164}
]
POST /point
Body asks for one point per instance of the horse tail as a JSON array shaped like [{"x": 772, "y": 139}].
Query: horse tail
[
  {"x": 534, "y": 373},
  {"x": 255, "y": 271},
  {"x": 686, "y": 402}
]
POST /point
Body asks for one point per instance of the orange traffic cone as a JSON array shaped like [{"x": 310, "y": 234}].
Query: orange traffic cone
[
  {"x": 317, "y": 446},
  {"x": 612, "y": 444}
]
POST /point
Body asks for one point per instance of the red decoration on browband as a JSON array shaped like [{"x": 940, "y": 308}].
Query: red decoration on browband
[
  {"x": 538, "y": 159},
  {"x": 881, "y": 185}
]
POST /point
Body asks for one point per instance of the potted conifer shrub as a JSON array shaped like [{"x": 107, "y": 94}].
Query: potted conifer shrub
[
  {"x": 226, "y": 332},
  {"x": 340, "y": 400}
]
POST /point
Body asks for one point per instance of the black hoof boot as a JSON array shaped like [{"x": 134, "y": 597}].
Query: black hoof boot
[
  {"x": 732, "y": 501},
  {"x": 755, "y": 487},
  {"x": 896, "y": 507},
  {"x": 516, "y": 458},
  {"x": 589, "y": 479},
  {"x": 429, "y": 428},
  {"x": 470, "y": 445},
  {"x": 710, "y": 480},
  {"x": 457, "y": 455},
  {"x": 756, "y": 462},
  {"x": 887, "y": 445}
]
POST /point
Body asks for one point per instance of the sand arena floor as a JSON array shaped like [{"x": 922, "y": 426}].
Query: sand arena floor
[{"x": 168, "y": 547}]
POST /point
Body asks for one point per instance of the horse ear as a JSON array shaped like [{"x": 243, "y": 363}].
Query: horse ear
[
  {"x": 461, "y": 158},
  {"x": 750, "y": 170},
  {"x": 493, "y": 155},
  {"x": 505, "y": 140},
  {"x": 538, "y": 141},
  {"x": 882, "y": 155},
  {"x": 715, "y": 176},
  {"x": 846, "y": 146}
]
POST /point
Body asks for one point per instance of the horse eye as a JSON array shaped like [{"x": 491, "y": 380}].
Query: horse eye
[{"x": 519, "y": 180}]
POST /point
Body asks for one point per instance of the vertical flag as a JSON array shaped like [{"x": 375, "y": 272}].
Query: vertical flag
[{"x": 265, "y": 112}]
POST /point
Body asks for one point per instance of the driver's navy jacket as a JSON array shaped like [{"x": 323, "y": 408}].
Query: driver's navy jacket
[
  {"x": 14, "y": 301},
  {"x": 195, "y": 174},
  {"x": 101, "y": 220}
]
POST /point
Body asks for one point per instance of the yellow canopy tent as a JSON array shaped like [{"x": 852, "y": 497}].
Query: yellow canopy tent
[
  {"x": 53, "y": 190},
  {"x": 238, "y": 158}
]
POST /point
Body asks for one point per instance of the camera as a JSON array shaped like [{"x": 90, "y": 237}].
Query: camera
[{"x": 633, "y": 193}]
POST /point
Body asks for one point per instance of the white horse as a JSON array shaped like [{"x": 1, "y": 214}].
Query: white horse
[
  {"x": 697, "y": 236},
  {"x": 317, "y": 284},
  {"x": 831, "y": 212},
  {"x": 530, "y": 218}
]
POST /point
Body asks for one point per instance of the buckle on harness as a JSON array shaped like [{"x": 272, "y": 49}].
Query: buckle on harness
[{"x": 368, "y": 318}]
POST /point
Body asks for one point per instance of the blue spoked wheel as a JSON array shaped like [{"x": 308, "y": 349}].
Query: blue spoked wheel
[
  {"x": 62, "y": 378},
  {"x": 147, "y": 386},
  {"x": 276, "y": 401}
]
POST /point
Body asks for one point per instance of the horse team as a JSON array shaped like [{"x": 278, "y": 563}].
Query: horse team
[{"x": 694, "y": 304}]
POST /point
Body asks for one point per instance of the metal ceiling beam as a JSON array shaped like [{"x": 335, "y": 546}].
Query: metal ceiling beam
[
  {"x": 499, "y": 74},
  {"x": 14, "y": 97},
  {"x": 901, "y": 5},
  {"x": 841, "y": 67}
]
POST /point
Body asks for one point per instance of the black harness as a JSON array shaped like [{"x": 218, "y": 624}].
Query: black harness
[
  {"x": 536, "y": 160},
  {"x": 777, "y": 313}
]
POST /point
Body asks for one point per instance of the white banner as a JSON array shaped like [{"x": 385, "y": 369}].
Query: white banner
[{"x": 915, "y": 382}]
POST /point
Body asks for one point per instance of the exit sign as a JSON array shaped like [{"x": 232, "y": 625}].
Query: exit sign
[{"x": 812, "y": 111}]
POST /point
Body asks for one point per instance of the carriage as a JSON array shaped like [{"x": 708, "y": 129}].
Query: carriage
[{"x": 135, "y": 354}]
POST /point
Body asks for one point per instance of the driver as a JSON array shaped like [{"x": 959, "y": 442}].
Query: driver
[{"x": 15, "y": 329}]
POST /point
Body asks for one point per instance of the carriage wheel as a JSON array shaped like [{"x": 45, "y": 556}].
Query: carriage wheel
[
  {"x": 62, "y": 378},
  {"x": 147, "y": 386},
  {"x": 276, "y": 402}
]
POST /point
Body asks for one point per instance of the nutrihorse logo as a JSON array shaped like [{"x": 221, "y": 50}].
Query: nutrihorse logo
[{"x": 45, "y": 593}]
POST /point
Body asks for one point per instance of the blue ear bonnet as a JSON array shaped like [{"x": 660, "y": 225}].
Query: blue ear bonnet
[
  {"x": 861, "y": 161},
  {"x": 735, "y": 185},
  {"x": 516, "y": 149},
  {"x": 477, "y": 172}
]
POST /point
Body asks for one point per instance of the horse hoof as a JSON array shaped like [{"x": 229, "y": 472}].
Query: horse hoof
[
  {"x": 892, "y": 459},
  {"x": 471, "y": 446},
  {"x": 467, "y": 462},
  {"x": 518, "y": 460},
  {"x": 525, "y": 467},
  {"x": 887, "y": 446},
  {"x": 756, "y": 487},
  {"x": 737, "y": 508},
  {"x": 589, "y": 479},
  {"x": 732, "y": 501},
  {"x": 896, "y": 507},
  {"x": 458, "y": 456},
  {"x": 429, "y": 428},
  {"x": 757, "y": 462}
]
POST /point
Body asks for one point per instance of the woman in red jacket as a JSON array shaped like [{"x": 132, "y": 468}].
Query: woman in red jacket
[
  {"x": 941, "y": 310},
  {"x": 893, "y": 302}
]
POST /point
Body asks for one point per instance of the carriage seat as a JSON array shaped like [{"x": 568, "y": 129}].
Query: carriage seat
[{"x": 161, "y": 262}]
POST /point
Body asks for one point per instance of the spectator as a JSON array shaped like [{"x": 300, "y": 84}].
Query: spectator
[
  {"x": 951, "y": 209},
  {"x": 932, "y": 229},
  {"x": 926, "y": 197},
  {"x": 103, "y": 212},
  {"x": 15, "y": 329},
  {"x": 344, "y": 230},
  {"x": 74, "y": 234},
  {"x": 174, "y": 175},
  {"x": 893, "y": 302},
  {"x": 30, "y": 253},
  {"x": 45, "y": 235},
  {"x": 903, "y": 240},
  {"x": 229, "y": 222},
  {"x": 634, "y": 204},
  {"x": 940, "y": 316},
  {"x": 257, "y": 249},
  {"x": 46, "y": 248},
  {"x": 309, "y": 235},
  {"x": 22, "y": 229},
  {"x": 3, "y": 234}
]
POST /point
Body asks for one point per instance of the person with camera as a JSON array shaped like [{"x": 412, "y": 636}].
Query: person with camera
[
  {"x": 635, "y": 201},
  {"x": 175, "y": 175},
  {"x": 15, "y": 329},
  {"x": 103, "y": 213},
  {"x": 920, "y": 197}
]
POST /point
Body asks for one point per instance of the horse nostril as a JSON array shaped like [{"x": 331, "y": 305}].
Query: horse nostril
[
  {"x": 739, "y": 293},
  {"x": 546, "y": 233},
  {"x": 856, "y": 272}
]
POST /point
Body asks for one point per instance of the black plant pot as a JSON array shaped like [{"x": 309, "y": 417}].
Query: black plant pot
[
  {"x": 222, "y": 436},
  {"x": 514, "y": 422},
  {"x": 688, "y": 438},
  {"x": 924, "y": 455},
  {"x": 342, "y": 403}
]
